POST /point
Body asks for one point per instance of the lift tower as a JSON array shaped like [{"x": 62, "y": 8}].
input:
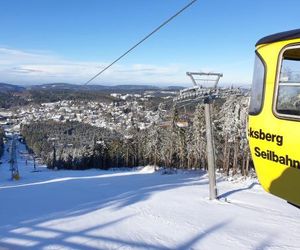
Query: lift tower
[{"x": 204, "y": 90}]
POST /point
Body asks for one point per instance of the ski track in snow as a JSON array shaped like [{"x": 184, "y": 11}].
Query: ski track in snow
[{"x": 139, "y": 209}]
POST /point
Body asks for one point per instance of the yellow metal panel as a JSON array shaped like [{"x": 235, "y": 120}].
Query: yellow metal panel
[{"x": 274, "y": 142}]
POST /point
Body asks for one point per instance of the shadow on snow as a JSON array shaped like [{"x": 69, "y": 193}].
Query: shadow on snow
[{"x": 78, "y": 196}]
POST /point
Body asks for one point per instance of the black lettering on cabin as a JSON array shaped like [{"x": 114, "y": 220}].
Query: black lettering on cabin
[
  {"x": 272, "y": 156},
  {"x": 261, "y": 135}
]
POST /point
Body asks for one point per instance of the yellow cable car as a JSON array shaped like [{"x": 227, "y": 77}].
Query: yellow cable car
[{"x": 274, "y": 115}]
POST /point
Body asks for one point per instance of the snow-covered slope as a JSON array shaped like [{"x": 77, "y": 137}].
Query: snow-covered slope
[{"x": 138, "y": 210}]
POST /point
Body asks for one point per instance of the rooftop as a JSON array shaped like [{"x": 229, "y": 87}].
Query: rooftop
[{"x": 282, "y": 36}]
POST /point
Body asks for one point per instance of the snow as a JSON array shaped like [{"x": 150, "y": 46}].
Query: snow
[{"x": 139, "y": 209}]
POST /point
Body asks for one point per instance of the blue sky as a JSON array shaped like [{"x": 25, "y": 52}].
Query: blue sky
[{"x": 71, "y": 40}]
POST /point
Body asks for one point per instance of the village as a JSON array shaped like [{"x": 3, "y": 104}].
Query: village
[
  {"x": 116, "y": 115},
  {"x": 126, "y": 109}
]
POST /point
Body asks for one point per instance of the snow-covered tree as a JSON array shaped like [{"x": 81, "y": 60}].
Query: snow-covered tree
[{"x": 231, "y": 126}]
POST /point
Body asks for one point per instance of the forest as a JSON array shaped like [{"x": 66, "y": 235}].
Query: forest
[
  {"x": 70, "y": 145},
  {"x": 38, "y": 96},
  {"x": 1, "y": 141},
  {"x": 74, "y": 145},
  {"x": 9, "y": 99}
]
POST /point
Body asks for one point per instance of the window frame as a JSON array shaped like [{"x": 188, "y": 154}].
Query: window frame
[
  {"x": 263, "y": 83},
  {"x": 277, "y": 79}
]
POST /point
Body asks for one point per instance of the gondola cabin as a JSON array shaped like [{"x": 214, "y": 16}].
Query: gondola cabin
[{"x": 274, "y": 115}]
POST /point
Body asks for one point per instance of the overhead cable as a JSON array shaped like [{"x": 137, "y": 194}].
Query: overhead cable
[{"x": 141, "y": 41}]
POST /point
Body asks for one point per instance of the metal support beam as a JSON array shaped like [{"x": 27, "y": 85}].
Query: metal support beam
[
  {"x": 202, "y": 74},
  {"x": 210, "y": 152},
  {"x": 190, "y": 74}
]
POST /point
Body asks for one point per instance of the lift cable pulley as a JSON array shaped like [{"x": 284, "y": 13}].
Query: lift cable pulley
[{"x": 205, "y": 86}]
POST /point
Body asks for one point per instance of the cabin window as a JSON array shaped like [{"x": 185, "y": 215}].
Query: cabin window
[
  {"x": 288, "y": 90},
  {"x": 257, "y": 90}
]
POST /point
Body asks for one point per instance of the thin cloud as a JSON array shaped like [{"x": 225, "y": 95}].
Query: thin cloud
[
  {"x": 33, "y": 67},
  {"x": 36, "y": 67}
]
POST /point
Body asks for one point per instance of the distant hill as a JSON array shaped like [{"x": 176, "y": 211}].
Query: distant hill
[
  {"x": 14, "y": 95},
  {"x": 51, "y": 86},
  {"x": 75, "y": 87},
  {"x": 5, "y": 87},
  {"x": 173, "y": 88}
]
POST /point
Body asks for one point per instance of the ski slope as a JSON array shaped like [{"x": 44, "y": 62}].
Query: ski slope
[{"x": 139, "y": 209}]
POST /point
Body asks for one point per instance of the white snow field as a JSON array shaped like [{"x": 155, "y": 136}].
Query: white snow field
[{"x": 96, "y": 209}]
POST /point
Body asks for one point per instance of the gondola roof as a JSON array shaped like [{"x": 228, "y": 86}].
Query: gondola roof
[{"x": 282, "y": 36}]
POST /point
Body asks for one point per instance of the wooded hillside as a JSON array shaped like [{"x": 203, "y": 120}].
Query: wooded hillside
[{"x": 74, "y": 145}]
